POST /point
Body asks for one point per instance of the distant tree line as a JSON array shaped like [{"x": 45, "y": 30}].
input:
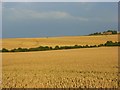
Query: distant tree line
[
  {"x": 45, "y": 48},
  {"x": 113, "y": 31},
  {"x": 96, "y": 33},
  {"x": 108, "y": 32}
]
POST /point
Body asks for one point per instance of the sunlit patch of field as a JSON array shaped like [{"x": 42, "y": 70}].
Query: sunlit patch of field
[
  {"x": 82, "y": 68},
  {"x": 53, "y": 41},
  {"x": 0, "y": 70},
  {"x": 0, "y": 65}
]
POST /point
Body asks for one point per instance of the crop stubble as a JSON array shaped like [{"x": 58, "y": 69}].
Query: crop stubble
[{"x": 81, "y": 68}]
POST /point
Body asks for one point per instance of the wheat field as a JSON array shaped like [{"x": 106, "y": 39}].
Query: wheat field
[
  {"x": 76, "y": 68},
  {"x": 53, "y": 41}
]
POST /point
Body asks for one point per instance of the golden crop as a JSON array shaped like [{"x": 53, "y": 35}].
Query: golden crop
[
  {"x": 77, "y": 68},
  {"x": 61, "y": 41}
]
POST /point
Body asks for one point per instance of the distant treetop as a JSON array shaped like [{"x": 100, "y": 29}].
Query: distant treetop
[{"x": 108, "y": 32}]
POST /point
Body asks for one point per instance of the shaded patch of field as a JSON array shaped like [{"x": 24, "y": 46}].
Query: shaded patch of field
[
  {"x": 82, "y": 68},
  {"x": 53, "y": 41}
]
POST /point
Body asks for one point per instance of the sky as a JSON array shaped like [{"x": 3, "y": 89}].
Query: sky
[
  {"x": 49, "y": 19},
  {"x": 60, "y": 0}
]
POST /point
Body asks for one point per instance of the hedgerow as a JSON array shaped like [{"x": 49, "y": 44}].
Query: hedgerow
[{"x": 44, "y": 48}]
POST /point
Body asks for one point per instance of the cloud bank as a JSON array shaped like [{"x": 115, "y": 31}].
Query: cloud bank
[{"x": 18, "y": 14}]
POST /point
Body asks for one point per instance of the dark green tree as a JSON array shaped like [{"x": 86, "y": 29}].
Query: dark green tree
[
  {"x": 5, "y": 50},
  {"x": 56, "y": 48}
]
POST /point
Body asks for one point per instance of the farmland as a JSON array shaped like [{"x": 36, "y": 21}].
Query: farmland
[
  {"x": 59, "y": 45},
  {"x": 53, "y": 41},
  {"x": 77, "y": 68}
]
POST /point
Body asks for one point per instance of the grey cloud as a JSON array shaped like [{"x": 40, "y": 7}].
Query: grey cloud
[{"x": 18, "y": 14}]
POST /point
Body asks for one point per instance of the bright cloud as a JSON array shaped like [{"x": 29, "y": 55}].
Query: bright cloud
[{"x": 16, "y": 14}]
